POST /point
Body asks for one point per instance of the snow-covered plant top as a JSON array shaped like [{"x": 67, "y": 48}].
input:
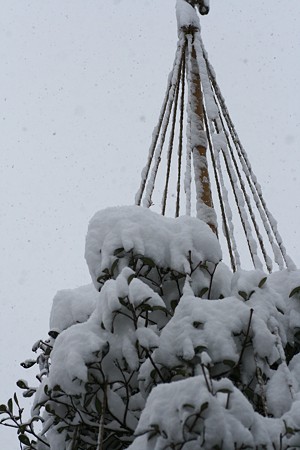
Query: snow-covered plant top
[
  {"x": 177, "y": 244},
  {"x": 170, "y": 351}
]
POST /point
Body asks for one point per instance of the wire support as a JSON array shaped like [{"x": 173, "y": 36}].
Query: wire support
[
  {"x": 157, "y": 155},
  {"x": 194, "y": 114},
  {"x": 171, "y": 142},
  {"x": 180, "y": 143},
  {"x": 266, "y": 257},
  {"x": 269, "y": 223},
  {"x": 227, "y": 228},
  {"x": 162, "y": 123}
]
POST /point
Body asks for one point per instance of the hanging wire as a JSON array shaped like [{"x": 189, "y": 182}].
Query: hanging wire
[
  {"x": 267, "y": 259},
  {"x": 161, "y": 121},
  {"x": 269, "y": 222},
  {"x": 156, "y": 150},
  {"x": 171, "y": 142},
  {"x": 212, "y": 126},
  {"x": 180, "y": 143},
  {"x": 228, "y": 236},
  {"x": 188, "y": 167}
]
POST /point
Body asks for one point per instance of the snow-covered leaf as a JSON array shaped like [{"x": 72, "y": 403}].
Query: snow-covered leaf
[
  {"x": 295, "y": 291},
  {"x": 262, "y": 282}
]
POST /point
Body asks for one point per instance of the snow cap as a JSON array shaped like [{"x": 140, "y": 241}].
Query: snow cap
[
  {"x": 168, "y": 242},
  {"x": 186, "y": 15}
]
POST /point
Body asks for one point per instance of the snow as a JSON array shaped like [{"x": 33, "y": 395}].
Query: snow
[
  {"x": 215, "y": 326},
  {"x": 71, "y": 306},
  {"x": 279, "y": 400},
  {"x": 186, "y": 15},
  {"x": 179, "y": 360},
  {"x": 218, "y": 422},
  {"x": 160, "y": 131},
  {"x": 166, "y": 241},
  {"x": 73, "y": 349}
]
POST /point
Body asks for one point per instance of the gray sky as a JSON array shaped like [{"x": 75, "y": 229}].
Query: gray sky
[{"x": 81, "y": 85}]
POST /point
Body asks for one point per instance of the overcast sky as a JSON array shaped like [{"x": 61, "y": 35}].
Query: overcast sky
[{"x": 81, "y": 85}]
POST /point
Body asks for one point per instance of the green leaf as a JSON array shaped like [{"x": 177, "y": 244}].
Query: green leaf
[
  {"x": 173, "y": 304},
  {"x": 22, "y": 429},
  {"x": 177, "y": 275},
  {"x": 123, "y": 302},
  {"x": 152, "y": 434},
  {"x": 225, "y": 391},
  {"x": 56, "y": 388},
  {"x": 10, "y": 405},
  {"x": 145, "y": 307},
  {"x": 295, "y": 291},
  {"x": 36, "y": 346},
  {"x": 22, "y": 384},
  {"x": 88, "y": 399},
  {"x": 114, "y": 266},
  {"x": 24, "y": 439},
  {"x": 229, "y": 363},
  {"x": 130, "y": 278},
  {"x": 152, "y": 374},
  {"x": 262, "y": 282},
  {"x": 98, "y": 406},
  {"x": 105, "y": 349},
  {"x": 203, "y": 291},
  {"x": 288, "y": 429},
  {"x": 49, "y": 409},
  {"x": 53, "y": 334},
  {"x": 148, "y": 261},
  {"x": 297, "y": 334},
  {"x": 160, "y": 308},
  {"x": 29, "y": 393},
  {"x": 145, "y": 301},
  {"x": 28, "y": 363},
  {"x": 179, "y": 371},
  {"x": 3, "y": 408},
  {"x": 204, "y": 406},
  {"x": 200, "y": 348},
  {"x": 16, "y": 400},
  {"x": 102, "y": 278},
  {"x": 188, "y": 406},
  {"x": 243, "y": 295},
  {"x": 118, "y": 251},
  {"x": 198, "y": 325}
]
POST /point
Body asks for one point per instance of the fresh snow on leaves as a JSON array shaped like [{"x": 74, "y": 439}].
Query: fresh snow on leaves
[{"x": 168, "y": 348}]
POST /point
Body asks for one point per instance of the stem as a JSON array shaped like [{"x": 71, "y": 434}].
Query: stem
[
  {"x": 155, "y": 366},
  {"x": 209, "y": 388},
  {"x": 211, "y": 280},
  {"x": 227, "y": 401},
  {"x": 246, "y": 337},
  {"x": 101, "y": 424}
]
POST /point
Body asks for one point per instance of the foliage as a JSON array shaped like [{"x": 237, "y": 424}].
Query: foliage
[{"x": 169, "y": 344}]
